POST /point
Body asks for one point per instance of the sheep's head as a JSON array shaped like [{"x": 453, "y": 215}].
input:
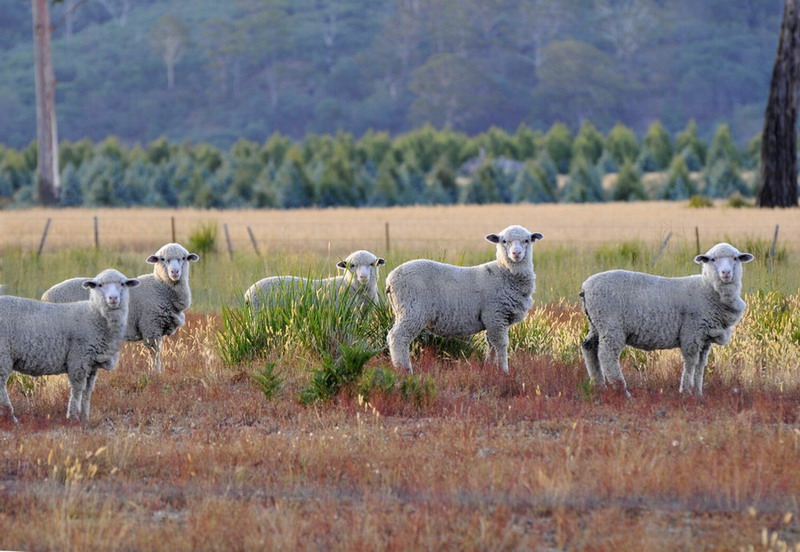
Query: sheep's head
[
  {"x": 361, "y": 267},
  {"x": 723, "y": 263},
  {"x": 110, "y": 287},
  {"x": 515, "y": 243},
  {"x": 172, "y": 262}
]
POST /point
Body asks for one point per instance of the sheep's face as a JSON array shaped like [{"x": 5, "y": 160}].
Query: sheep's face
[
  {"x": 111, "y": 287},
  {"x": 724, "y": 262},
  {"x": 172, "y": 261},
  {"x": 362, "y": 266},
  {"x": 515, "y": 243}
]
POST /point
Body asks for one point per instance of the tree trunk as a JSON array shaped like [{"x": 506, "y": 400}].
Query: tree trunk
[
  {"x": 778, "y": 184},
  {"x": 46, "y": 134}
]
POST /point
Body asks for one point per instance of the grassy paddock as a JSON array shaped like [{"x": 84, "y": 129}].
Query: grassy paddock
[{"x": 226, "y": 455}]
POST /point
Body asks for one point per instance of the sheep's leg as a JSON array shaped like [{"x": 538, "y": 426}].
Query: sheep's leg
[
  {"x": 699, "y": 372},
  {"x": 691, "y": 358},
  {"x": 77, "y": 384},
  {"x": 609, "y": 348},
  {"x": 589, "y": 349},
  {"x": 5, "y": 402},
  {"x": 498, "y": 341},
  {"x": 399, "y": 339},
  {"x": 87, "y": 395},
  {"x": 154, "y": 346}
]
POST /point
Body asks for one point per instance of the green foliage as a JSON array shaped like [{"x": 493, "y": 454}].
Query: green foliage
[
  {"x": 621, "y": 143},
  {"x": 584, "y": 183},
  {"x": 589, "y": 143},
  {"x": 626, "y": 254},
  {"x": 268, "y": 380},
  {"x": 558, "y": 142},
  {"x": 700, "y": 202},
  {"x": 337, "y": 372},
  {"x": 688, "y": 141},
  {"x": 722, "y": 148},
  {"x": 420, "y": 390},
  {"x": 736, "y": 201},
  {"x": 678, "y": 184},
  {"x": 628, "y": 186},
  {"x": 722, "y": 179},
  {"x": 657, "y": 142},
  {"x": 203, "y": 238},
  {"x": 301, "y": 320}
]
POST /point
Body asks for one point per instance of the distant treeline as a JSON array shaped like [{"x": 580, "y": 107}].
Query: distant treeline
[{"x": 426, "y": 166}]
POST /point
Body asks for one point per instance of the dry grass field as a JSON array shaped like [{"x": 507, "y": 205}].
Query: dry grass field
[
  {"x": 410, "y": 228},
  {"x": 198, "y": 458}
]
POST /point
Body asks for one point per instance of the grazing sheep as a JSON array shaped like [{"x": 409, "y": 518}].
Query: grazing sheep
[
  {"x": 651, "y": 312},
  {"x": 452, "y": 300},
  {"x": 80, "y": 338},
  {"x": 360, "y": 277},
  {"x": 156, "y": 308}
]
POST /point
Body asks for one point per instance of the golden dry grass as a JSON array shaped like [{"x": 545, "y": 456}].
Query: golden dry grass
[
  {"x": 196, "y": 458},
  {"x": 411, "y": 228}
]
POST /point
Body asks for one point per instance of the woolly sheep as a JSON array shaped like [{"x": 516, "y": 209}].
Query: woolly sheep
[
  {"x": 156, "y": 308},
  {"x": 360, "y": 277},
  {"x": 452, "y": 300},
  {"x": 78, "y": 339},
  {"x": 652, "y": 312}
]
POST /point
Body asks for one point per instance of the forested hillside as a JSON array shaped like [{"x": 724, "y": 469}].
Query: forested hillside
[{"x": 217, "y": 71}]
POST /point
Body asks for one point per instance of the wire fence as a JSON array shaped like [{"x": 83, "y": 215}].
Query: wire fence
[{"x": 420, "y": 229}]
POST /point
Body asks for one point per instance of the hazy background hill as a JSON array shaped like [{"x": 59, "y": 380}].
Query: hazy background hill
[{"x": 247, "y": 68}]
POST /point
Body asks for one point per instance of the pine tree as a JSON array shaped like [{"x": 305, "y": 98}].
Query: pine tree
[
  {"x": 628, "y": 186},
  {"x": 584, "y": 183},
  {"x": 657, "y": 142},
  {"x": 558, "y": 142}
]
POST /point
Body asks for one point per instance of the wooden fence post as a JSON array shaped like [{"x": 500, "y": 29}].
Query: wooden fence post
[
  {"x": 96, "y": 233},
  {"x": 44, "y": 237},
  {"x": 228, "y": 239},
  {"x": 661, "y": 249},
  {"x": 173, "y": 229},
  {"x": 773, "y": 248},
  {"x": 386, "y": 231},
  {"x": 697, "y": 239},
  {"x": 253, "y": 241}
]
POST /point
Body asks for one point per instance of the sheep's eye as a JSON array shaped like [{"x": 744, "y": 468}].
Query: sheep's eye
[
  {"x": 162, "y": 259},
  {"x": 713, "y": 259},
  {"x": 99, "y": 285}
]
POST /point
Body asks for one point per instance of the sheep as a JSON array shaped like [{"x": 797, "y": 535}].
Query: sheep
[
  {"x": 157, "y": 307},
  {"x": 452, "y": 300},
  {"x": 360, "y": 277},
  {"x": 78, "y": 338},
  {"x": 652, "y": 312}
]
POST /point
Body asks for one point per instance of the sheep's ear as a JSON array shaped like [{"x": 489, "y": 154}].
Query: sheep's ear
[
  {"x": 380, "y": 262},
  {"x": 152, "y": 259},
  {"x": 133, "y": 282},
  {"x": 536, "y": 236},
  {"x": 700, "y": 259},
  {"x": 341, "y": 264},
  {"x": 746, "y": 257},
  {"x": 194, "y": 257},
  {"x": 89, "y": 284},
  {"x": 494, "y": 238}
]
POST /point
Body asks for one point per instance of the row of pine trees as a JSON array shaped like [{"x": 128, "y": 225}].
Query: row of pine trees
[{"x": 426, "y": 166}]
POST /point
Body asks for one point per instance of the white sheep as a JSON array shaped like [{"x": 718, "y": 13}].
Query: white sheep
[
  {"x": 78, "y": 339},
  {"x": 652, "y": 312},
  {"x": 452, "y": 300},
  {"x": 157, "y": 307},
  {"x": 360, "y": 277}
]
